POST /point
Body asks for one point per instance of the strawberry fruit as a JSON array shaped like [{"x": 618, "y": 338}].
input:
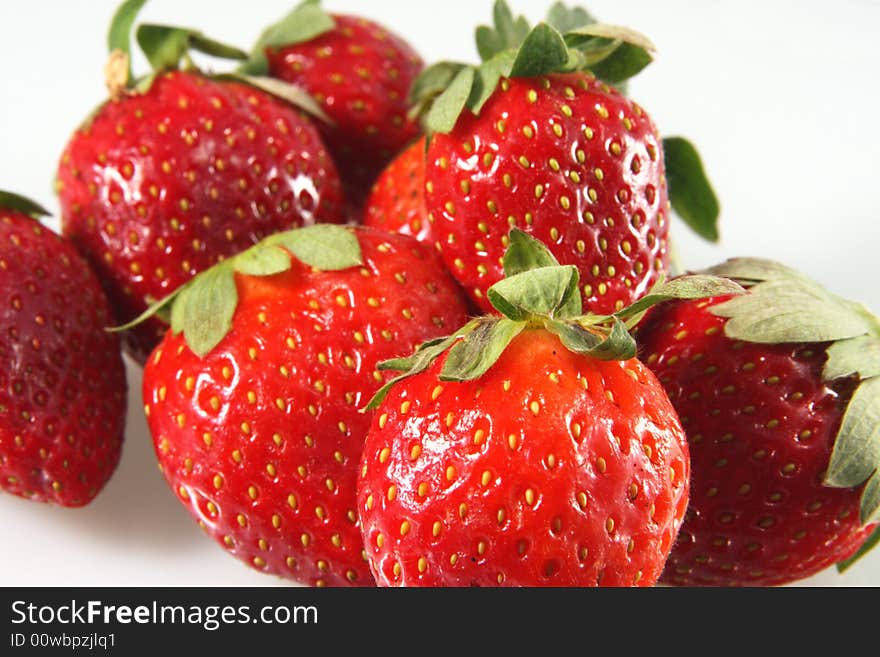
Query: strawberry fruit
[
  {"x": 536, "y": 138},
  {"x": 253, "y": 397},
  {"x": 359, "y": 72},
  {"x": 181, "y": 170},
  {"x": 530, "y": 449},
  {"x": 778, "y": 392},
  {"x": 62, "y": 379}
]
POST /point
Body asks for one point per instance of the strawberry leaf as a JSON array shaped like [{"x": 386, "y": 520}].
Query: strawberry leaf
[
  {"x": 471, "y": 357},
  {"x": 11, "y": 201},
  {"x": 538, "y": 292},
  {"x": 119, "y": 34},
  {"x": 327, "y": 247},
  {"x": 305, "y": 22},
  {"x": 447, "y": 107},
  {"x": 432, "y": 82},
  {"x": 690, "y": 191},
  {"x": 488, "y": 75},
  {"x": 262, "y": 260}
]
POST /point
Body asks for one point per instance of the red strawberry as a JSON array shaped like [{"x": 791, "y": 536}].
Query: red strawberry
[
  {"x": 62, "y": 379},
  {"x": 530, "y": 452},
  {"x": 532, "y": 139},
  {"x": 775, "y": 391},
  {"x": 397, "y": 200},
  {"x": 360, "y": 72},
  {"x": 253, "y": 402},
  {"x": 161, "y": 184}
]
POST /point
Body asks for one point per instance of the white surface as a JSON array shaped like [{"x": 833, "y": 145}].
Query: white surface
[{"x": 780, "y": 96}]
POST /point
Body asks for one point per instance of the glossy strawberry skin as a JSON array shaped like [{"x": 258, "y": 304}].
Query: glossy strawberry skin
[
  {"x": 761, "y": 424},
  {"x": 397, "y": 200},
  {"x": 568, "y": 471},
  {"x": 260, "y": 440},
  {"x": 360, "y": 73},
  {"x": 62, "y": 379},
  {"x": 570, "y": 161},
  {"x": 159, "y": 186}
]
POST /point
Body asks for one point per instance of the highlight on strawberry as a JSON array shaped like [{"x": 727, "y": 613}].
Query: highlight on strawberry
[
  {"x": 360, "y": 74},
  {"x": 62, "y": 378},
  {"x": 528, "y": 448},
  {"x": 779, "y": 393},
  {"x": 253, "y": 396},
  {"x": 540, "y": 136},
  {"x": 180, "y": 168}
]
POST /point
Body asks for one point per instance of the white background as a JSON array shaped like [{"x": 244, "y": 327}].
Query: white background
[{"x": 780, "y": 96}]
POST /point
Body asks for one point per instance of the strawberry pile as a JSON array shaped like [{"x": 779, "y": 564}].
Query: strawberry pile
[{"x": 418, "y": 326}]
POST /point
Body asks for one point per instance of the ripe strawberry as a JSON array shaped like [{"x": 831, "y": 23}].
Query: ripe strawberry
[
  {"x": 533, "y": 139},
  {"x": 162, "y": 183},
  {"x": 359, "y": 72},
  {"x": 62, "y": 379},
  {"x": 775, "y": 391},
  {"x": 253, "y": 397},
  {"x": 524, "y": 450},
  {"x": 397, "y": 200}
]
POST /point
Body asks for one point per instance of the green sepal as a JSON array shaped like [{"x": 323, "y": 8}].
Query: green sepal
[
  {"x": 290, "y": 93},
  {"x": 207, "y": 310},
  {"x": 567, "y": 19},
  {"x": 508, "y": 32},
  {"x": 867, "y": 546},
  {"x": 524, "y": 253},
  {"x": 618, "y": 344},
  {"x": 860, "y": 355},
  {"x": 119, "y": 33},
  {"x": 487, "y": 77},
  {"x": 471, "y": 357},
  {"x": 202, "y": 308},
  {"x": 418, "y": 362},
  {"x": 536, "y": 293},
  {"x": 543, "y": 51},
  {"x": 165, "y": 46},
  {"x": 327, "y": 247},
  {"x": 429, "y": 84},
  {"x": 305, "y": 22},
  {"x": 690, "y": 192},
  {"x": 856, "y": 454},
  {"x": 447, "y": 107},
  {"x": 783, "y": 306},
  {"x": 612, "y": 52},
  {"x": 11, "y": 201},
  {"x": 690, "y": 286}
]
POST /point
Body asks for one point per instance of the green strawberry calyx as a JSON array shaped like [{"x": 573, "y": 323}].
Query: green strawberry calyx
[
  {"x": 202, "y": 308},
  {"x": 11, "y": 201},
  {"x": 168, "y": 48},
  {"x": 785, "y": 306},
  {"x": 568, "y": 40},
  {"x": 538, "y": 292}
]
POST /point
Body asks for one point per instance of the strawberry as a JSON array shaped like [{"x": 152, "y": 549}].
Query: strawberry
[
  {"x": 360, "y": 73},
  {"x": 397, "y": 200},
  {"x": 171, "y": 176},
  {"x": 62, "y": 379},
  {"x": 778, "y": 392},
  {"x": 530, "y": 449},
  {"x": 536, "y": 138},
  {"x": 253, "y": 397}
]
